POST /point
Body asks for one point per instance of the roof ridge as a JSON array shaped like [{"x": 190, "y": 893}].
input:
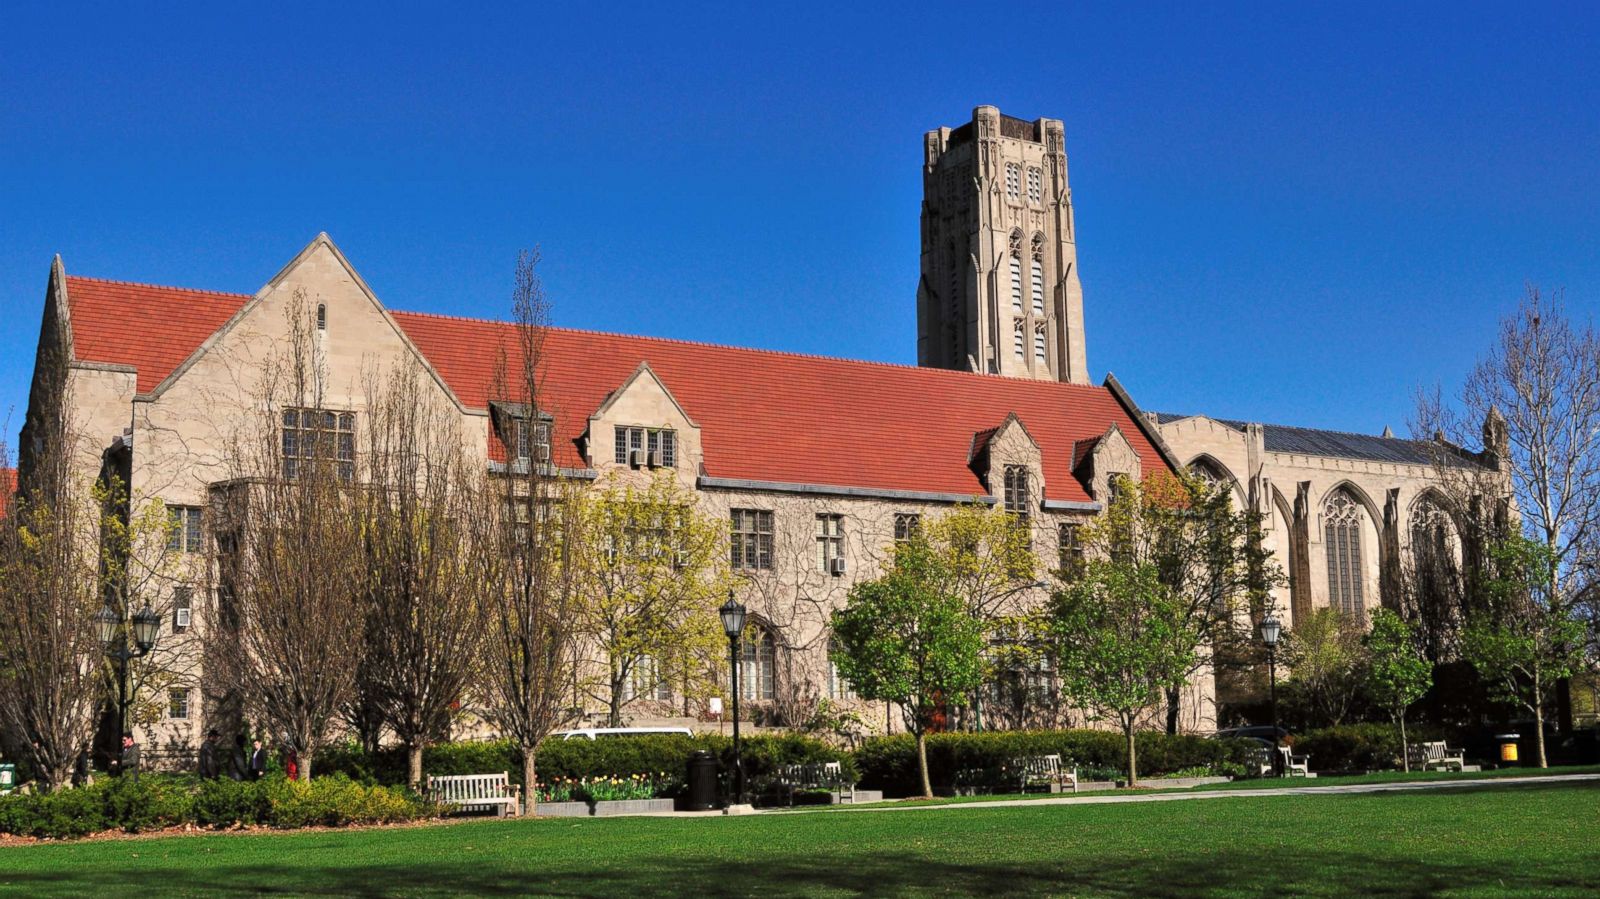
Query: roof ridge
[
  {"x": 682, "y": 341},
  {"x": 218, "y": 293},
  {"x": 793, "y": 354},
  {"x": 1345, "y": 433}
]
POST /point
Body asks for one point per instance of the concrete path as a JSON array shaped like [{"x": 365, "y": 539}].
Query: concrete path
[{"x": 1101, "y": 798}]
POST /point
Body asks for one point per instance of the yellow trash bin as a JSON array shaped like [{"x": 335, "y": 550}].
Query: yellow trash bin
[{"x": 1508, "y": 747}]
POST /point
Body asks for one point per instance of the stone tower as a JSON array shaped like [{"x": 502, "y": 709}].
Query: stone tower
[{"x": 999, "y": 290}]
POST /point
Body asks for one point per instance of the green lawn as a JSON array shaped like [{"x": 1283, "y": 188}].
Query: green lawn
[{"x": 1490, "y": 841}]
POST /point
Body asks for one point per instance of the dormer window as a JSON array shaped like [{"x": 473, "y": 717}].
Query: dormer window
[
  {"x": 646, "y": 447},
  {"x": 531, "y": 440}
]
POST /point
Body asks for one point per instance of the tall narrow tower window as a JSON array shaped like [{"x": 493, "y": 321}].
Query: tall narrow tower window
[
  {"x": 322, "y": 317},
  {"x": 1038, "y": 288},
  {"x": 1016, "y": 285},
  {"x": 1019, "y": 343},
  {"x": 1035, "y": 189},
  {"x": 1013, "y": 181},
  {"x": 1038, "y": 345}
]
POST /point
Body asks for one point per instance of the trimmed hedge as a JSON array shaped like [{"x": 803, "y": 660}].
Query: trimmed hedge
[
  {"x": 890, "y": 763},
  {"x": 577, "y": 759},
  {"x": 156, "y": 801},
  {"x": 1360, "y": 747}
]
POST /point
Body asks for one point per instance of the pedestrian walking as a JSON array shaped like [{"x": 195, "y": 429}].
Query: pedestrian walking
[
  {"x": 208, "y": 756},
  {"x": 239, "y": 764},
  {"x": 127, "y": 764}
]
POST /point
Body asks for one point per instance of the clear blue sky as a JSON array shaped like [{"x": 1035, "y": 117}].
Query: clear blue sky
[{"x": 1292, "y": 217}]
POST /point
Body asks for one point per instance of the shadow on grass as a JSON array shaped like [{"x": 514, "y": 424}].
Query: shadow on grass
[{"x": 1189, "y": 871}]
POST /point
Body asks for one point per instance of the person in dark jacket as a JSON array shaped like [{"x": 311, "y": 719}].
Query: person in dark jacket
[
  {"x": 208, "y": 757},
  {"x": 239, "y": 765},
  {"x": 128, "y": 763},
  {"x": 258, "y": 761}
]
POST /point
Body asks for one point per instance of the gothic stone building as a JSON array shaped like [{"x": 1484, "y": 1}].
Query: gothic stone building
[{"x": 816, "y": 463}]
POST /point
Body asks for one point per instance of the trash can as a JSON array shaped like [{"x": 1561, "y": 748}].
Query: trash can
[
  {"x": 8, "y": 778},
  {"x": 1508, "y": 748},
  {"x": 700, "y": 778}
]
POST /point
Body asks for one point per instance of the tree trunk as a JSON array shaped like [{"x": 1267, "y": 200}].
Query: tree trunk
[
  {"x": 414, "y": 764},
  {"x": 1133, "y": 764},
  {"x": 614, "y": 715},
  {"x": 305, "y": 764},
  {"x": 1174, "y": 700},
  {"x": 1538, "y": 722},
  {"x": 1405, "y": 750},
  {"x": 922, "y": 764},
  {"x": 530, "y": 780}
]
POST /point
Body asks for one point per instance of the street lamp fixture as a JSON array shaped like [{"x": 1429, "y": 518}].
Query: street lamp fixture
[
  {"x": 733, "y": 615},
  {"x": 146, "y": 626},
  {"x": 1271, "y": 629}
]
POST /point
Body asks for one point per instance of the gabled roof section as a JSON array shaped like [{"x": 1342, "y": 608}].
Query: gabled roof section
[
  {"x": 771, "y": 417},
  {"x": 643, "y": 371},
  {"x": 786, "y": 418},
  {"x": 152, "y": 329}
]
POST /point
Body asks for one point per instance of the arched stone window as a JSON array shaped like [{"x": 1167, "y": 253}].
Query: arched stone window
[
  {"x": 1013, "y": 181},
  {"x": 1016, "y": 272},
  {"x": 1343, "y": 521},
  {"x": 758, "y": 663},
  {"x": 1432, "y": 531}
]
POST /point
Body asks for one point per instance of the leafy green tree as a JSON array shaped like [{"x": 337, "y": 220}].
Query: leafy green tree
[
  {"x": 652, "y": 578},
  {"x": 1327, "y": 662},
  {"x": 988, "y": 560},
  {"x": 1397, "y": 672},
  {"x": 907, "y": 638},
  {"x": 1526, "y": 642},
  {"x": 1206, "y": 551},
  {"x": 1122, "y": 638}
]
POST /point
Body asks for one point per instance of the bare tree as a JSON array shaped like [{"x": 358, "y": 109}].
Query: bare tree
[
  {"x": 523, "y": 554},
  {"x": 52, "y": 667},
  {"x": 423, "y": 597},
  {"x": 1536, "y": 394},
  {"x": 290, "y": 563}
]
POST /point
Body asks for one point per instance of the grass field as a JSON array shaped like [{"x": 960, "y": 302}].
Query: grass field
[{"x": 1489, "y": 841}]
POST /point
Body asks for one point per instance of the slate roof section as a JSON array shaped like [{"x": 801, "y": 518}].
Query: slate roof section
[
  {"x": 764, "y": 416},
  {"x": 1334, "y": 444}
]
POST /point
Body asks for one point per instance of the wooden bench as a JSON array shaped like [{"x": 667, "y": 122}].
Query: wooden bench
[
  {"x": 475, "y": 791},
  {"x": 816, "y": 776},
  {"x": 1436, "y": 754},
  {"x": 1294, "y": 765},
  {"x": 1263, "y": 762},
  {"x": 1044, "y": 771}
]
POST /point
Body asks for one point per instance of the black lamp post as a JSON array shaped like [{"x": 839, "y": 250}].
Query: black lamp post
[
  {"x": 1271, "y": 629},
  {"x": 733, "y": 623},
  {"x": 114, "y": 637}
]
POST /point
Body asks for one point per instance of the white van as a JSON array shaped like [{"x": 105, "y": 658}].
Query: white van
[{"x": 590, "y": 733}]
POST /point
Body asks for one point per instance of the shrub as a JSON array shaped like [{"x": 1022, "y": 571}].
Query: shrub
[
  {"x": 890, "y": 764},
  {"x": 1358, "y": 747},
  {"x": 651, "y": 755},
  {"x": 155, "y": 801}
]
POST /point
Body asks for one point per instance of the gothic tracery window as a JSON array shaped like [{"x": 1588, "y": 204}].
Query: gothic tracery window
[
  {"x": 1431, "y": 528},
  {"x": 1013, "y": 181},
  {"x": 1342, "y": 525}
]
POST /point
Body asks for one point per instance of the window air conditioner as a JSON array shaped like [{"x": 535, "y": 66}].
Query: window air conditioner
[
  {"x": 636, "y": 458},
  {"x": 655, "y": 458},
  {"x": 836, "y": 567},
  {"x": 180, "y": 618}
]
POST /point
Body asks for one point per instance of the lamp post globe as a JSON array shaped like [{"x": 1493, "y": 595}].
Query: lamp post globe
[
  {"x": 105, "y": 622},
  {"x": 146, "y": 625},
  {"x": 733, "y": 616}
]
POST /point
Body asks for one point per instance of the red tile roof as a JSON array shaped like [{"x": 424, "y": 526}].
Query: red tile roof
[
  {"x": 154, "y": 329},
  {"x": 764, "y": 415}
]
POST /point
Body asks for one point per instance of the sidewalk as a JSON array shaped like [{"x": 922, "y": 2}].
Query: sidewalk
[{"x": 1398, "y": 786}]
